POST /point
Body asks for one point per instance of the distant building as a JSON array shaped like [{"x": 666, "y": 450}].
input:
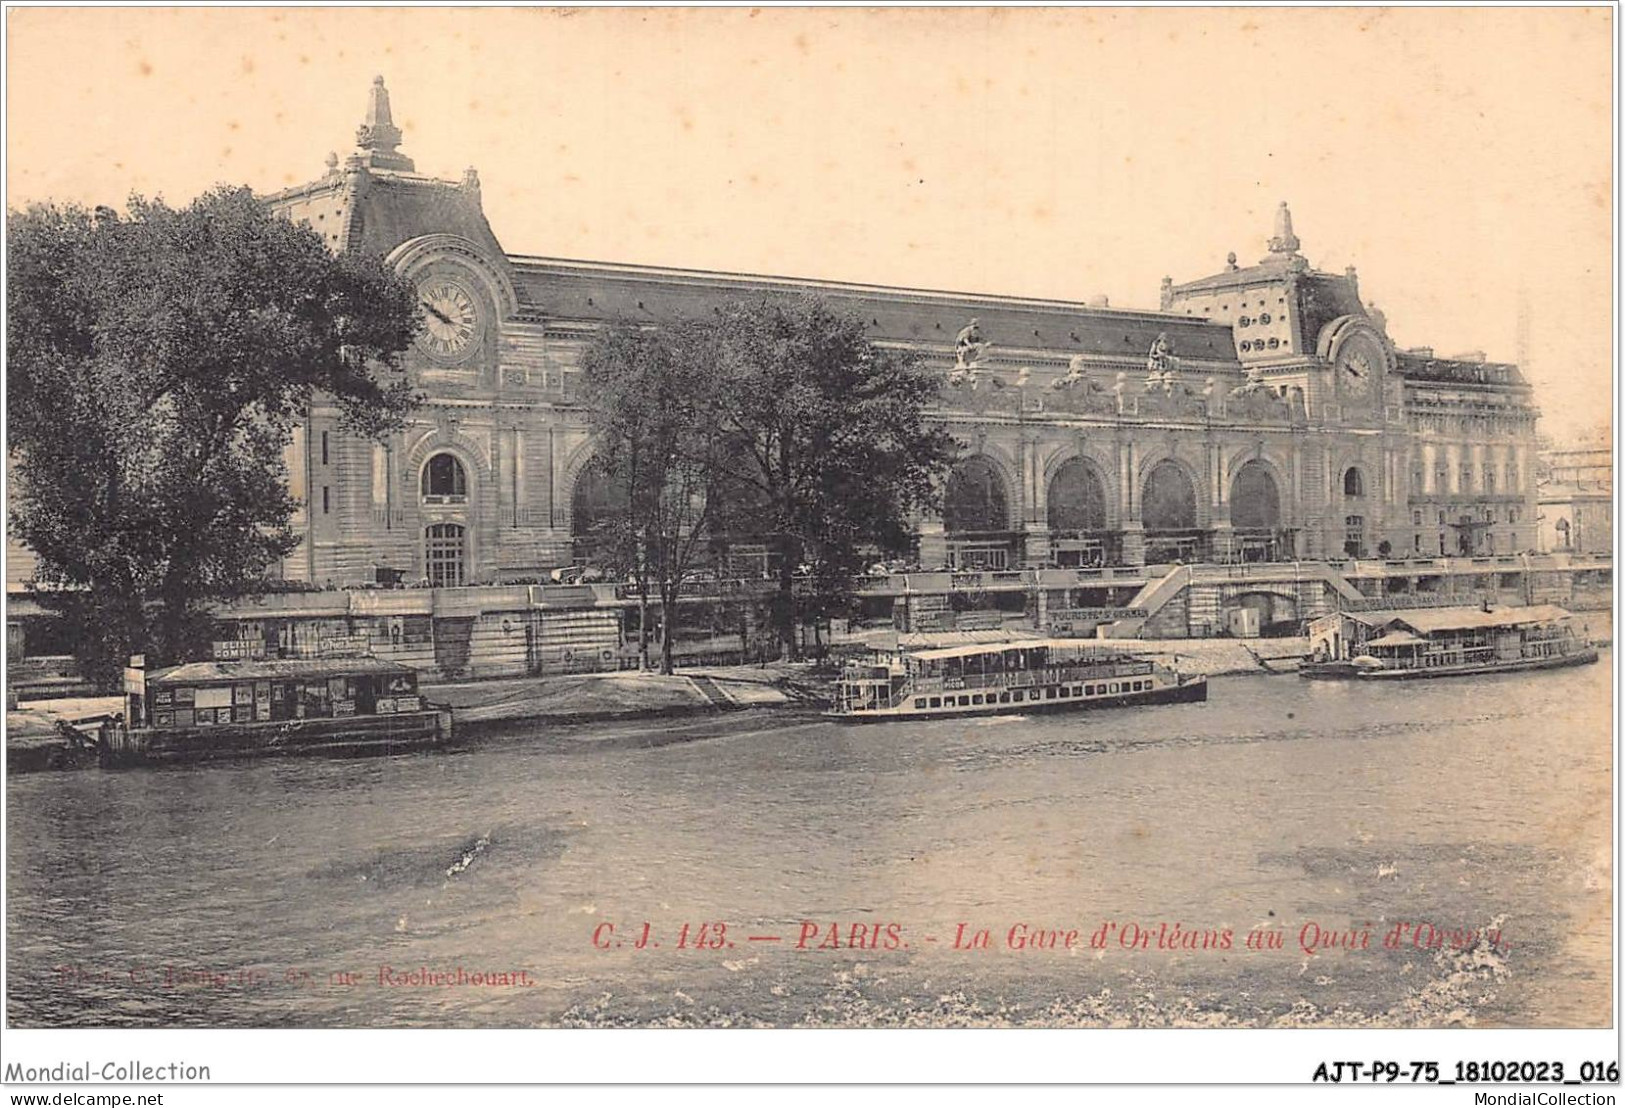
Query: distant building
[{"x": 1576, "y": 498}]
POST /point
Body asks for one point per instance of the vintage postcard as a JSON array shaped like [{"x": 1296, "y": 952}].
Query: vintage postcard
[{"x": 810, "y": 518}]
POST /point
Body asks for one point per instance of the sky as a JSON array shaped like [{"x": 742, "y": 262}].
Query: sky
[{"x": 1460, "y": 158}]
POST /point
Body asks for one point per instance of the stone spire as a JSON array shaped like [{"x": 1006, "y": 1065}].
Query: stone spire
[
  {"x": 377, "y": 138},
  {"x": 1283, "y": 242}
]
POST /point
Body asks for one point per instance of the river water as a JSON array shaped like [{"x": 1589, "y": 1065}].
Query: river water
[{"x": 1461, "y": 826}]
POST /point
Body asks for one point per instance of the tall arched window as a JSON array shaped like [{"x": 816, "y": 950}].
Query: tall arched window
[
  {"x": 598, "y": 504},
  {"x": 975, "y": 501},
  {"x": 445, "y": 552},
  {"x": 1168, "y": 502},
  {"x": 1353, "y": 483},
  {"x": 444, "y": 481},
  {"x": 1077, "y": 499},
  {"x": 1255, "y": 501}
]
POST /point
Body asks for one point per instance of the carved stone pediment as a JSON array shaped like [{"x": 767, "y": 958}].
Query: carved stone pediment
[
  {"x": 977, "y": 391},
  {"x": 1076, "y": 391},
  {"x": 1171, "y": 400},
  {"x": 1258, "y": 403}
]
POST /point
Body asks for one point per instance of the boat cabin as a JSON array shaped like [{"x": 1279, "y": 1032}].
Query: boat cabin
[
  {"x": 206, "y": 694},
  {"x": 987, "y": 673},
  {"x": 1423, "y": 638}
]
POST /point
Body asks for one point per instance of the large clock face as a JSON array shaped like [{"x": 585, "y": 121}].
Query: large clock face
[
  {"x": 1356, "y": 375},
  {"x": 451, "y": 318}
]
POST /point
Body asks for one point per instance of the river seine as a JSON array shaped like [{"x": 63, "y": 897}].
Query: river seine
[{"x": 1290, "y": 853}]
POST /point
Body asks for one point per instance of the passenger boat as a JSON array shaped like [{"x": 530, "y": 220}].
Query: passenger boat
[
  {"x": 1010, "y": 677},
  {"x": 1444, "y": 642},
  {"x": 252, "y": 708}
]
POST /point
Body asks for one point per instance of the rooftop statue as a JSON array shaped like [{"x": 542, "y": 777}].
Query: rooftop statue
[
  {"x": 1160, "y": 361},
  {"x": 969, "y": 346}
]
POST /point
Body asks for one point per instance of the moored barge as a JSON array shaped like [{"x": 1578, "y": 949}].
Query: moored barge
[
  {"x": 1013, "y": 677},
  {"x": 201, "y": 711},
  {"x": 1444, "y": 642}
]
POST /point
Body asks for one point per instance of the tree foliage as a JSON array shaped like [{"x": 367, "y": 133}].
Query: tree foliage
[
  {"x": 831, "y": 451},
  {"x": 652, "y": 395},
  {"x": 776, "y": 421},
  {"x": 159, "y": 361}
]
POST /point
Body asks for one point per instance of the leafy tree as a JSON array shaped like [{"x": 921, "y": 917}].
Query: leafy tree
[
  {"x": 829, "y": 449},
  {"x": 652, "y": 397},
  {"x": 158, "y": 364}
]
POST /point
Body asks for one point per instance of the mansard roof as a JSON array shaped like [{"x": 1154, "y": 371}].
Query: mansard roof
[
  {"x": 1456, "y": 371},
  {"x": 595, "y": 291}
]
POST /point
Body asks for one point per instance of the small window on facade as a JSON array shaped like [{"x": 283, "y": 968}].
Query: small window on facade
[
  {"x": 1354, "y": 536},
  {"x": 1353, "y": 483},
  {"x": 324, "y": 448},
  {"x": 1265, "y": 318},
  {"x": 1274, "y": 343},
  {"x": 1466, "y": 477},
  {"x": 325, "y": 501}
]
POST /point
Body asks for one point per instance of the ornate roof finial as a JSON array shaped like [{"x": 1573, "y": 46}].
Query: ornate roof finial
[
  {"x": 1230, "y": 262},
  {"x": 378, "y": 136},
  {"x": 1284, "y": 241}
]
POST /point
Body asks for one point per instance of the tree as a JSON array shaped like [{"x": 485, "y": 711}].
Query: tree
[
  {"x": 652, "y": 396},
  {"x": 829, "y": 448},
  {"x": 158, "y": 364}
]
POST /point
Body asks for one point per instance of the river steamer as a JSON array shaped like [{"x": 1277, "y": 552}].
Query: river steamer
[
  {"x": 203, "y": 711},
  {"x": 1444, "y": 642},
  {"x": 1012, "y": 677}
]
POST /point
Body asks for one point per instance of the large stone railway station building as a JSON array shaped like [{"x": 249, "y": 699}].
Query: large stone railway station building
[
  {"x": 1256, "y": 442},
  {"x": 1261, "y": 413}
]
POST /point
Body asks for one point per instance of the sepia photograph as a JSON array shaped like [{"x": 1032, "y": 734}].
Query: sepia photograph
[{"x": 723, "y": 518}]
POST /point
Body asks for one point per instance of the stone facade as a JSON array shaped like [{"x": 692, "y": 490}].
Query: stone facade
[
  {"x": 1261, "y": 413},
  {"x": 1576, "y": 495}
]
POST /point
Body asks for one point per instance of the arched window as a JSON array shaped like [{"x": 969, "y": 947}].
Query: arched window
[
  {"x": 1255, "y": 501},
  {"x": 444, "y": 481},
  {"x": 445, "y": 552},
  {"x": 597, "y": 503},
  {"x": 1169, "y": 500},
  {"x": 975, "y": 500},
  {"x": 1077, "y": 499},
  {"x": 1353, "y": 483}
]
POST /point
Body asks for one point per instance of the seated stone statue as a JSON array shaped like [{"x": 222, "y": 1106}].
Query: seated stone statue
[{"x": 969, "y": 346}]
